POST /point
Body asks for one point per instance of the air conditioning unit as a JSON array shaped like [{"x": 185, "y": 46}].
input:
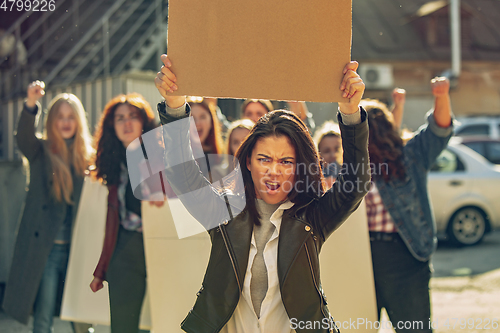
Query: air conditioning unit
[{"x": 377, "y": 76}]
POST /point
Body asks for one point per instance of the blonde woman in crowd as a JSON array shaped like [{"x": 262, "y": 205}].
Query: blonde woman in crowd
[{"x": 58, "y": 163}]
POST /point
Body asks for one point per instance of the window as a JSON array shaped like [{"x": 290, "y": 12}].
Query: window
[
  {"x": 483, "y": 129},
  {"x": 478, "y": 147},
  {"x": 493, "y": 152},
  {"x": 448, "y": 161}
]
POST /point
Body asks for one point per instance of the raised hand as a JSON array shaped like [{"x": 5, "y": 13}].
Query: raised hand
[
  {"x": 352, "y": 87},
  {"x": 166, "y": 83},
  {"x": 440, "y": 86},
  {"x": 35, "y": 92},
  {"x": 399, "y": 96},
  {"x": 399, "y": 99}
]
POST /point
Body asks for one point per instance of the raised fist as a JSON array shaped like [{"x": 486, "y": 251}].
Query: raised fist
[
  {"x": 440, "y": 86},
  {"x": 399, "y": 96},
  {"x": 35, "y": 92}
]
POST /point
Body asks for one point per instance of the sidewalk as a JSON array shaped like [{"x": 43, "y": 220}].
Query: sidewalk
[
  {"x": 9, "y": 325},
  {"x": 476, "y": 297},
  {"x": 468, "y": 298}
]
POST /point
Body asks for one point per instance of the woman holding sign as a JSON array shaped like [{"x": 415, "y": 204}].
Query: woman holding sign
[
  {"x": 122, "y": 262},
  {"x": 263, "y": 271}
]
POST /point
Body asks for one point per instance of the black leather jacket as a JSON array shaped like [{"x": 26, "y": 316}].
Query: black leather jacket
[{"x": 304, "y": 229}]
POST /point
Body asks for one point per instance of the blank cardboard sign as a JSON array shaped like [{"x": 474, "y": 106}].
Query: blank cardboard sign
[{"x": 280, "y": 50}]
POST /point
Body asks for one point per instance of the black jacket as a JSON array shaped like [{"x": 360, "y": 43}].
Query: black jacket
[{"x": 304, "y": 229}]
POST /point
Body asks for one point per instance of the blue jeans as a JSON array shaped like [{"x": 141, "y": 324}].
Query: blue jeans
[
  {"x": 401, "y": 286},
  {"x": 46, "y": 299}
]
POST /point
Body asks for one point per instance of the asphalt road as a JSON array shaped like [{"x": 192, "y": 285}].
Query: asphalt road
[
  {"x": 465, "y": 288},
  {"x": 471, "y": 260}
]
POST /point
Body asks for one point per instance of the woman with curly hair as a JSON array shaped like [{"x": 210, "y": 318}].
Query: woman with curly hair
[
  {"x": 57, "y": 166},
  {"x": 122, "y": 263},
  {"x": 400, "y": 219}
]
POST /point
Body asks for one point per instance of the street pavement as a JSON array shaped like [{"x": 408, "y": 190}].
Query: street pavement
[
  {"x": 465, "y": 288},
  {"x": 452, "y": 261},
  {"x": 465, "y": 285},
  {"x": 8, "y": 325}
]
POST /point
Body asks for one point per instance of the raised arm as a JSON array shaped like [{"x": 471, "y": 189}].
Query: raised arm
[
  {"x": 206, "y": 204},
  {"x": 430, "y": 140},
  {"x": 398, "y": 106},
  {"x": 352, "y": 184},
  {"x": 442, "y": 105},
  {"x": 27, "y": 141}
]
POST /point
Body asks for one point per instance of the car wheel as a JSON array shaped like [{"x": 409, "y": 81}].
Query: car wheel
[{"x": 467, "y": 226}]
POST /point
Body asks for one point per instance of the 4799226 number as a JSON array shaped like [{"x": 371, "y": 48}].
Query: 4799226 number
[{"x": 28, "y": 5}]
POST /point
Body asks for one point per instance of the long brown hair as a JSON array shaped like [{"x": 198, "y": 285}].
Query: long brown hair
[
  {"x": 284, "y": 123},
  {"x": 385, "y": 144},
  {"x": 110, "y": 152},
  {"x": 62, "y": 157},
  {"x": 214, "y": 138}
]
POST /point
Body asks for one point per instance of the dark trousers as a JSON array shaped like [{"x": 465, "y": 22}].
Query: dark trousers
[
  {"x": 126, "y": 276},
  {"x": 401, "y": 285}
]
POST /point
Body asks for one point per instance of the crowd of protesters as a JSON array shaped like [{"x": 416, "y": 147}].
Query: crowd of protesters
[{"x": 268, "y": 144}]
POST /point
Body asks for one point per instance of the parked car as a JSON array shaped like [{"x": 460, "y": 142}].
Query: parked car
[
  {"x": 486, "y": 147},
  {"x": 488, "y": 126},
  {"x": 464, "y": 191}
]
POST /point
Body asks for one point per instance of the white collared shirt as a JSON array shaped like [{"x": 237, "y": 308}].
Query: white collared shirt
[{"x": 273, "y": 316}]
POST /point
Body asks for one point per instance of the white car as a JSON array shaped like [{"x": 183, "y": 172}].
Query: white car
[
  {"x": 488, "y": 126},
  {"x": 464, "y": 190}
]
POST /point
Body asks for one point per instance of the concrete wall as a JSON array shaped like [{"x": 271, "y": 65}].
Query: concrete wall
[{"x": 477, "y": 91}]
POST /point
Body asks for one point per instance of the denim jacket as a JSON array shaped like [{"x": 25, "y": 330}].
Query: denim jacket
[{"x": 407, "y": 201}]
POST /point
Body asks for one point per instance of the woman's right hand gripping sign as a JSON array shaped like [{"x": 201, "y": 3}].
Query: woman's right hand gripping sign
[
  {"x": 165, "y": 82},
  {"x": 352, "y": 87}
]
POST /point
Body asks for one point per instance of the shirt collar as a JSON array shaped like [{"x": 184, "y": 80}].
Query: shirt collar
[{"x": 277, "y": 217}]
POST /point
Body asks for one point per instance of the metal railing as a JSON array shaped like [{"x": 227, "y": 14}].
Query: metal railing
[{"x": 107, "y": 42}]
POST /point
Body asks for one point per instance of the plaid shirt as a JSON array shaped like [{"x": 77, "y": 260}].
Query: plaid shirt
[{"x": 379, "y": 219}]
